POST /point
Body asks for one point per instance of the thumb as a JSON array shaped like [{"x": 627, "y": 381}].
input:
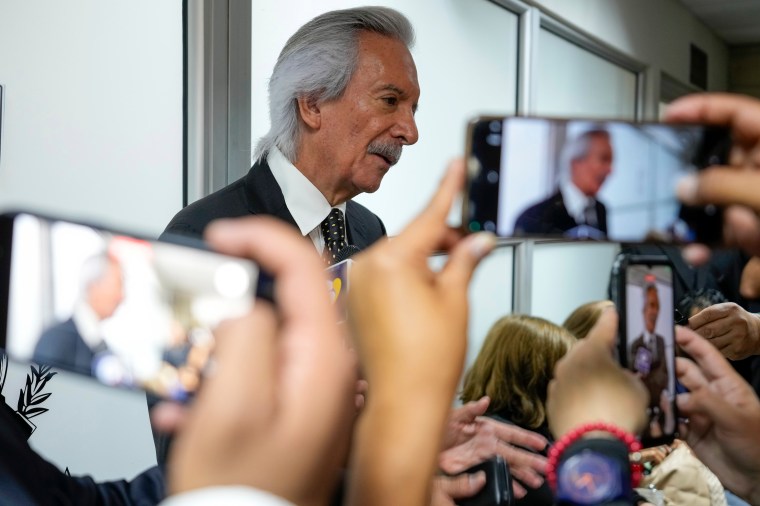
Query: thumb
[
  {"x": 464, "y": 257},
  {"x": 463, "y": 485}
]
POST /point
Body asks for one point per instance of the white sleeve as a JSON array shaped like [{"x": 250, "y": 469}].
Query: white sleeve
[{"x": 229, "y": 496}]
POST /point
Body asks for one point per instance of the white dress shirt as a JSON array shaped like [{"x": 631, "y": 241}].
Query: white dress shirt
[
  {"x": 305, "y": 202},
  {"x": 576, "y": 202}
]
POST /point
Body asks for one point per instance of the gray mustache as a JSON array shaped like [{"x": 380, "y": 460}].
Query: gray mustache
[{"x": 390, "y": 151}]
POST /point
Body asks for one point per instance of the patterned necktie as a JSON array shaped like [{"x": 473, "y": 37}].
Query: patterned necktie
[
  {"x": 334, "y": 233},
  {"x": 589, "y": 214}
]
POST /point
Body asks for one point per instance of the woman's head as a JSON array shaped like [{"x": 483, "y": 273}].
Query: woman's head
[
  {"x": 581, "y": 321},
  {"x": 515, "y": 365}
]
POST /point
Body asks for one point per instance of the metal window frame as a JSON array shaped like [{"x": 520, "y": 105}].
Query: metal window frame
[{"x": 217, "y": 94}]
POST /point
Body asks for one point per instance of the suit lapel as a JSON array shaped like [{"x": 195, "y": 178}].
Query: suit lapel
[
  {"x": 357, "y": 231},
  {"x": 264, "y": 195}
]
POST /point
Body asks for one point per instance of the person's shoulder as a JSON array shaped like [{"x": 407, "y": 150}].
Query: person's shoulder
[{"x": 227, "y": 202}]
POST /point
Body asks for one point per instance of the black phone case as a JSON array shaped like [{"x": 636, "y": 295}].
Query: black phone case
[
  {"x": 498, "y": 488},
  {"x": 619, "y": 298}
]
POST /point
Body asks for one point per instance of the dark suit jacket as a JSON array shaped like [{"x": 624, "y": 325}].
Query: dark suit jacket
[
  {"x": 27, "y": 478},
  {"x": 657, "y": 379},
  {"x": 550, "y": 217},
  {"x": 62, "y": 346},
  {"x": 258, "y": 193}
]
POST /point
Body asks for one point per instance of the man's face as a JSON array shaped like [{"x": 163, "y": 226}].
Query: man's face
[
  {"x": 589, "y": 172},
  {"x": 651, "y": 310},
  {"x": 107, "y": 293},
  {"x": 365, "y": 128}
]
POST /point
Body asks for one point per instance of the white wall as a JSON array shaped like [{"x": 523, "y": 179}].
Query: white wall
[
  {"x": 89, "y": 428},
  {"x": 655, "y": 32},
  {"x": 466, "y": 56},
  {"x": 566, "y": 275},
  {"x": 92, "y": 123}
]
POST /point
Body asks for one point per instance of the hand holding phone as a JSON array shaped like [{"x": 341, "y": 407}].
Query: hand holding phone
[
  {"x": 581, "y": 179},
  {"x": 127, "y": 311},
  {"x": 646, "y": 345},
  {"x": 497, "y": 490}
]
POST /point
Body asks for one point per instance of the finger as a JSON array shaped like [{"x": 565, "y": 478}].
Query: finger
[
  {"x": 300, "y": 287},
  {"x": 463, "y": 259},
  {"x": 526, "y": 466},
  {"x": 710, "y": 361},
  {"x": 740, "y": 113},
  {"x": 715, "y": 330},
  {"x": 707, "y": 315},
  {"x": 470, "y": 411},
  {"x": 247, "y": 357},
  {"x": 689, "y": 374},
  {"x": 463, "y": 485},
  {"x": 168, "y": 417},
  {"x": 721, "y": 186},
  {"x": 518, "y": 490},
  {"x": 696, "y": 254},
  {"x": 742, "y": 228},
  {"x": 515, "y": 435},
  {"x": 606, "y": 329},
  {"x": 426, "y": 231}
]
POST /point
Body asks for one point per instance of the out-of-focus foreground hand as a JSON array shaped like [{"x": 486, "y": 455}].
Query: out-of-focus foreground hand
[
  {"x": 410, "y": 326},
  {"x": 732, "y": 330},
  {"x": 724, "y": 414},
  {"x": 590, "y": 386},
  {"x": 276, "y": 412},
  {"x": 735, "y": 186},
  {"x": 493, "y": 438}
]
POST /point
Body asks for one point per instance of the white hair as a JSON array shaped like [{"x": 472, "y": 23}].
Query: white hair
[
  {"x": 578, "y": 148},
  {"x": 317, "y": 62}
]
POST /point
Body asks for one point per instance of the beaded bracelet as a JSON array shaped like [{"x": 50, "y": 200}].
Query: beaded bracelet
[{"x": 633, "y": 444}]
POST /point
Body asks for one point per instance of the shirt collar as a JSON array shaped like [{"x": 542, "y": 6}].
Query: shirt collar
[
  {"x": 305, "y": 202},
  {"x": 575, "y": 200}
]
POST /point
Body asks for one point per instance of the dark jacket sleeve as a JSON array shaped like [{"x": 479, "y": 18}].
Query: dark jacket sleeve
[{"x": 27, "y": 478}]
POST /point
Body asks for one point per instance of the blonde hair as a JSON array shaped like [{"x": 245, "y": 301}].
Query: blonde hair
[
  {"x": 580, "y": 321},
  {"x": 515, "y": 365}
]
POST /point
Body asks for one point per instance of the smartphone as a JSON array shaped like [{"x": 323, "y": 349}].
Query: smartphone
[
  {"x": 583, "y": 179},
  {"x": 646, "y": 343},
  {"x": 124, "y": 310},
  {"x": 498, "y": 488}
]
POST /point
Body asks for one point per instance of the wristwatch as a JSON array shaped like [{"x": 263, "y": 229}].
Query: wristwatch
[{"x": 590, "y": 477}]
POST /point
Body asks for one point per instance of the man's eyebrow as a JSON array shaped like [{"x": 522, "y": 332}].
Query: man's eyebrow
[{"x": 396, "y": 89}]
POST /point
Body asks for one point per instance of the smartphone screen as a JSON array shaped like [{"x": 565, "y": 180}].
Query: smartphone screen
[
  {"x": 603, "y": 180},
  {"x": 648, "y": 343},
  {"x": 126, "y": 311}
]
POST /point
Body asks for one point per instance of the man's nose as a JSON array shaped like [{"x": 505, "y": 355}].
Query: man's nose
[{"x": 406, "y": 128}]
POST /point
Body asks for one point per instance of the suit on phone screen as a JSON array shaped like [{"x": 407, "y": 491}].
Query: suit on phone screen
[
  {"x": 551, "y": 217},
  {"x": 649, "y": 359}
]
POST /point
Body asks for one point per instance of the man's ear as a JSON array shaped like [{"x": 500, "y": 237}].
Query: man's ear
[{"x": 310, "y": 113}]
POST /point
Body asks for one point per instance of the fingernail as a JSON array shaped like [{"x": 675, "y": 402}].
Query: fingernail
[
  {"x": 686, "y": 189},
  {"x": 478, "y": 477},
  {"x": 482, "y": 243}
]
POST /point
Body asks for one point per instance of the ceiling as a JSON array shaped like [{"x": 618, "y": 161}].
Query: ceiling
[{"x": 735, "y": 21}]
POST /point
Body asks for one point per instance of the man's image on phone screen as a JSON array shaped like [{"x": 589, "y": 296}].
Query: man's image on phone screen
[{"x": 649, "y": 301}]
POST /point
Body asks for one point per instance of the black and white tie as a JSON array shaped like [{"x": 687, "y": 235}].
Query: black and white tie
[{"x": 334, "y": 232}]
